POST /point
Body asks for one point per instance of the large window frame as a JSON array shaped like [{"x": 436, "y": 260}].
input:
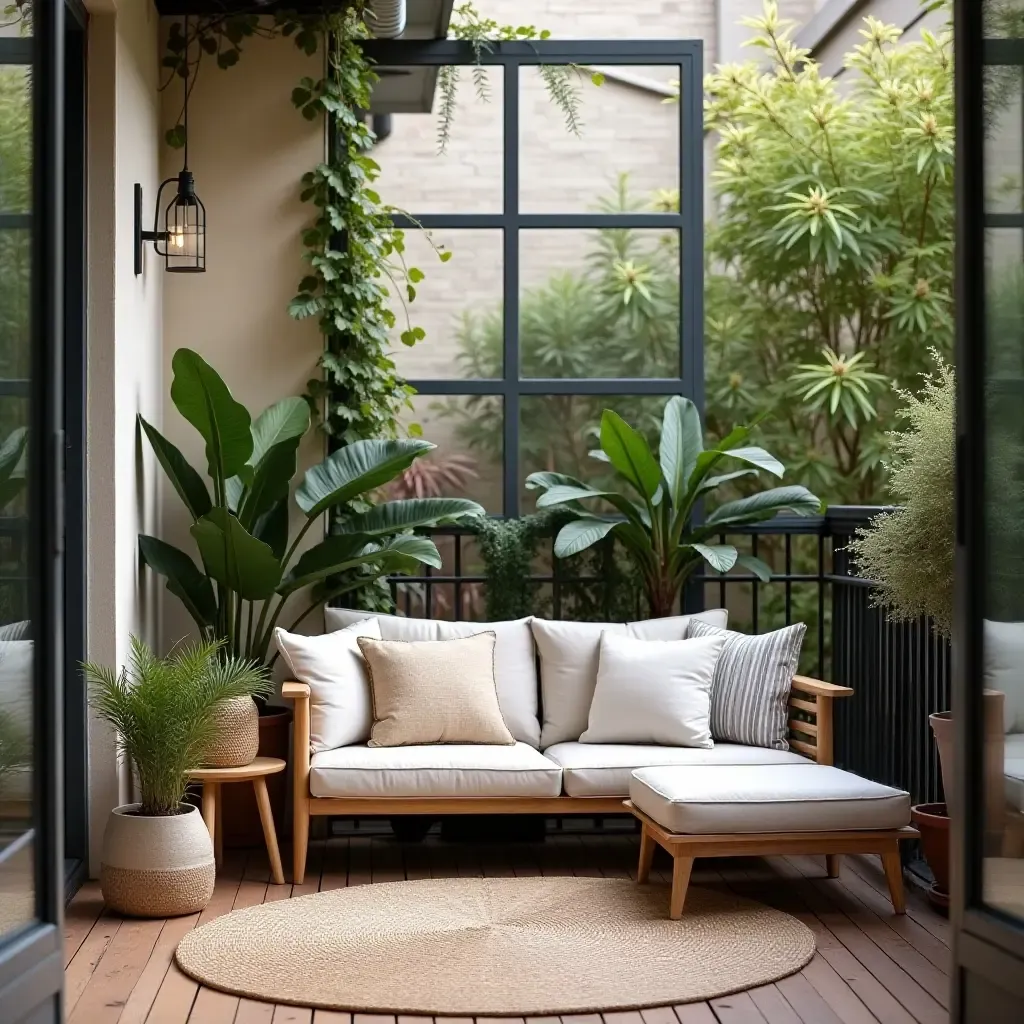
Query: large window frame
[{"x": 511, "y": 387}]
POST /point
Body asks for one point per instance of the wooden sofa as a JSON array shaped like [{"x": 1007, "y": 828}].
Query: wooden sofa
[{"x": 810, "y": 734}]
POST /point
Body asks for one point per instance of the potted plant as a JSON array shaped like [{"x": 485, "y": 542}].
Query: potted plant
[
  {"x": 908, "y": 553},
  {"x": 249, "y": 563},
  {"x": 157, "y": 856},
  {"x": 653, "y": 518}
]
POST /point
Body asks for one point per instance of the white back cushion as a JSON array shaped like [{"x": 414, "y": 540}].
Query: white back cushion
[
  {"x": 515, "y": 660},
  {"x": 654, "y": 691},
  {"x": 1004, "y": 668},
  {"x": 332, "y": 666},
  {"x": 569, "y": 654}
]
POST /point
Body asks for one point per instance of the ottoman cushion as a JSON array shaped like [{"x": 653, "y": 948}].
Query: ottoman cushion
[{"x": 728, "y": 799}]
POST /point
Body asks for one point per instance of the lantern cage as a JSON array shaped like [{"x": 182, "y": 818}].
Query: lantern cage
[{"x": 181, "y": 239}]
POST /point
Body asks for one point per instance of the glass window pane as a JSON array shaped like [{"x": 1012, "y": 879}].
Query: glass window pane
[
  {"x": 628, "y": 126},
  {"x": 602, "y": 303},
  {"x": 467, "y": 462},
  {"x": 467, "y": 176},
  {"x": 16, "y": 653},
  {"x": 1004, "y": 141},
  {"x": 458, "y": 304},
  {"x": 557, "y": 432}
]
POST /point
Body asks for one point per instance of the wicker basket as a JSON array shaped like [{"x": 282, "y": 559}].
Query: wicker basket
[{"x": 237, "y": 737}]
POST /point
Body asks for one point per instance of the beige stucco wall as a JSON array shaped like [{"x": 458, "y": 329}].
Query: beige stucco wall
[
  {"x": 124, "y": 364},
  {"x": 249, "y": 148}
]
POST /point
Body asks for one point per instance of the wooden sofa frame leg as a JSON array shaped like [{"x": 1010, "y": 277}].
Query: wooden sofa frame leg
[{"x": 298, "y": 694}]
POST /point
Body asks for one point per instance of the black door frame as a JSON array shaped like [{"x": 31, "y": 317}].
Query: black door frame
[
  {"x": 687, "y": 55},
  {"x": 988, "y": 946}
]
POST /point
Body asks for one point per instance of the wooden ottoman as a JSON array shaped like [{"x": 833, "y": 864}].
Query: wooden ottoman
[{"x": 758, "y": 810}]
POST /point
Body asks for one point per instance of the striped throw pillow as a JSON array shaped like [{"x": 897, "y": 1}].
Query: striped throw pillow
[{"x": 750, "y": 691}]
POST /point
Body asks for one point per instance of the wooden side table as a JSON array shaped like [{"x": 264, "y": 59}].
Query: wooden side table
[{"x": 213, "y": 778}]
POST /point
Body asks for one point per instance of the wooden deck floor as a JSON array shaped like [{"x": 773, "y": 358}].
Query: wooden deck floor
[{"x": 870, "y": 966}]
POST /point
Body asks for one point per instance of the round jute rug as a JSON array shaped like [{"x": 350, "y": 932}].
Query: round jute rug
[{"x": 494, "y": 947}]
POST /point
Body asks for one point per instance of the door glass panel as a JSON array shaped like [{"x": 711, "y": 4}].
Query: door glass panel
[{"x": 17, "y": 901}]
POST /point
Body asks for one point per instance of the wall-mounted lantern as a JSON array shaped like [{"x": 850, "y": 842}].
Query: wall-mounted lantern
[{"x": 182, "y": 234}]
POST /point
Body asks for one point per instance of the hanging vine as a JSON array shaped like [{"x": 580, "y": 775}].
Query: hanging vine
[{"x": 358, "y": 283}]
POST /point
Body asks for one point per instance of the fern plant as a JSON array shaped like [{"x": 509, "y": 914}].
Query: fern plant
[{"x": 160, "y": 709}]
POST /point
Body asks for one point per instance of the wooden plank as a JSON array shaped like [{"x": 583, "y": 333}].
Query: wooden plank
[
  {"x": 359, "y": 862},
  {"x": 836, "y": 992},
  {"x": 116, "y": 973},
  {"x": 625, "y": 1017},
  {"x": 292, "y": 1015},
  {"x": 139, "y": 1003},
  {"x": 314, "y": 868},
  {"x": 251, "y": 1011},
  {"x": 82, "y": 913},
  {"x": 213, "y": 1007},
  {"x": 773, "y": 1006},
  {"x": 334, "y": 874},
  {"x": 386, "y": 861},
  {"x": 656, "y": 1015},
  {"x": 926, "y": 974},
  {"x": 812, "y": 1009},
  {"x": 737, "y": 1009},
  {"x": 90, "y": 952},
  {"x": 695, "y": 1013},
  {"x": 329, "y": 1017},
  {"x": 580, "y": 1018}
]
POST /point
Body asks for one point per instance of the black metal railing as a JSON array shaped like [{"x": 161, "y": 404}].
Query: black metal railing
[{"x": 900, "y": 673}]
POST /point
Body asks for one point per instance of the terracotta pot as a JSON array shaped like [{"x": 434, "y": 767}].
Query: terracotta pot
[
  {"x": 932, "y": 821},
  {"x": 995, "y": 742},
  {"x": 156, "y": 866},
  {"x": 241, "y": 817},
  {"x": 237, "y": 738}
]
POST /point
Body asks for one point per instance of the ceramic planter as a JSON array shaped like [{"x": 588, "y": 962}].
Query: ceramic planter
[
  {"x": 156, "y": 866},
  {"x": 237, "y": 738}
]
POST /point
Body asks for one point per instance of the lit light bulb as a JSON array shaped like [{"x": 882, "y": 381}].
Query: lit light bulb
[{"x": 178, "y": 238}]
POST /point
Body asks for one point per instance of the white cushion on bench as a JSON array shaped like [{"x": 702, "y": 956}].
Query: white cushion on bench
[
  {"x": 442, "y": 770},
  {"x": 605, "y": 769},
  {"x": 515, "y": 658},
  {"x": 780, "y": 798},
  {"x": 1014, "y": 770}
]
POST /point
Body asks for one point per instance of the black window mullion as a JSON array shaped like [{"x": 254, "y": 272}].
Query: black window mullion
[{"x": 510, "y": 287}]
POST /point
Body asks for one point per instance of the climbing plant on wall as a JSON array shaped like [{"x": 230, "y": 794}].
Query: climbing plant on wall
[{"x": 358, "y": 283}]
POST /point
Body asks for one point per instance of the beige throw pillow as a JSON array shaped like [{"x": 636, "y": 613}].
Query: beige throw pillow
[{"x": 434, "y": 691}]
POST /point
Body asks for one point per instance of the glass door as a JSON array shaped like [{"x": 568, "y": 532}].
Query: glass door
[
  {"x": 31, "y": 514},
  {"x": 988, "y": 801}
]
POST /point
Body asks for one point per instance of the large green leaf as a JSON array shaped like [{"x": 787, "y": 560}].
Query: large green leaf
[
  {"x": 337, "y": 553},
  {"x": 723, "y": 478},
  {"x": 764, "y": 505},
  {"x": 629, "y": 454},
  {"x": 283, "y": 421},
  {"x": 272, "y": 529},
  {"x": 271, "y": 480},
  {"x": 191, "y": 586},
  {"x": 202, "y": 397},
  {"x": 409, "y": 514},
  {"x": 580, "y": 534},
  {"x": 544, "y": 480},
  {"x": 758, "y": 457},
  {"x": 355, "y": 469},
  {"x": 185, "y": 480},
  {"x": 760, "y": 569},
  {"x": 570, "y": 496},
  {"x": 11, "y": 454},
  {"x": 719, "y": 556},
  {"x": 681, "y": 445},
  {"x": 234, "y": 557},
  {"x": 709, "y": 458}
]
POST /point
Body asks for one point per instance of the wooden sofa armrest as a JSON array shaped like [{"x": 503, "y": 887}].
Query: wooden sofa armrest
[
  {"x": 298, "y": 693},
  {"x": 295, "y": 691},
  {"x": 811, "y": 732}
]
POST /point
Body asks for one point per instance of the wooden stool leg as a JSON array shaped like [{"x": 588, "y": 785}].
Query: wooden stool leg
[
  {"x": 269, "y": 832},
  {"x": 681, "y": 867},
  {"x": 894, "y": 876},
  {"x": 210, "y": 809},
  {"x": 647, "y": 845},
  {"x": 832, "y": 862},
  {"x": 218, "y": 817}
]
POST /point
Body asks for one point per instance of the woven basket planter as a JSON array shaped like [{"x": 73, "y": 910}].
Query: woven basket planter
[
  {"x": 156, "y": 866},
  {"x": 237, "y": 737}
]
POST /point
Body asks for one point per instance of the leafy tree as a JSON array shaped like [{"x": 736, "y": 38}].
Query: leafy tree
[{"x": 831, "y": 259}]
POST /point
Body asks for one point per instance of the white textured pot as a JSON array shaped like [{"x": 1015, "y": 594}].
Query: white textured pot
[
  {"x": 237, "y": 738},
  {"x": 156, "y": 866}
]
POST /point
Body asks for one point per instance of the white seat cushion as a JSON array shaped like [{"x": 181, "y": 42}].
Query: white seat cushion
[
  {"x": 781, "y": 798},
  {"x": 1013, "y": 759},
  {"x": 569, "y": 655},
  {"x": 515, "y": 658},
  {"x": 444, "y": 770},
  {"x": 604, "y": 769}
]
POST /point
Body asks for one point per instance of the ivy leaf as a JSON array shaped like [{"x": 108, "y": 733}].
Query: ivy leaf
[
  {"x": 415, "y": 275},
  {"x": 175, "y": 137},
  {"x": 227, "y": 59},
  {"x": 445, "y": 255},
  {"x": 300, "y": 96},
  {"x": 597, "y": 78}
]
